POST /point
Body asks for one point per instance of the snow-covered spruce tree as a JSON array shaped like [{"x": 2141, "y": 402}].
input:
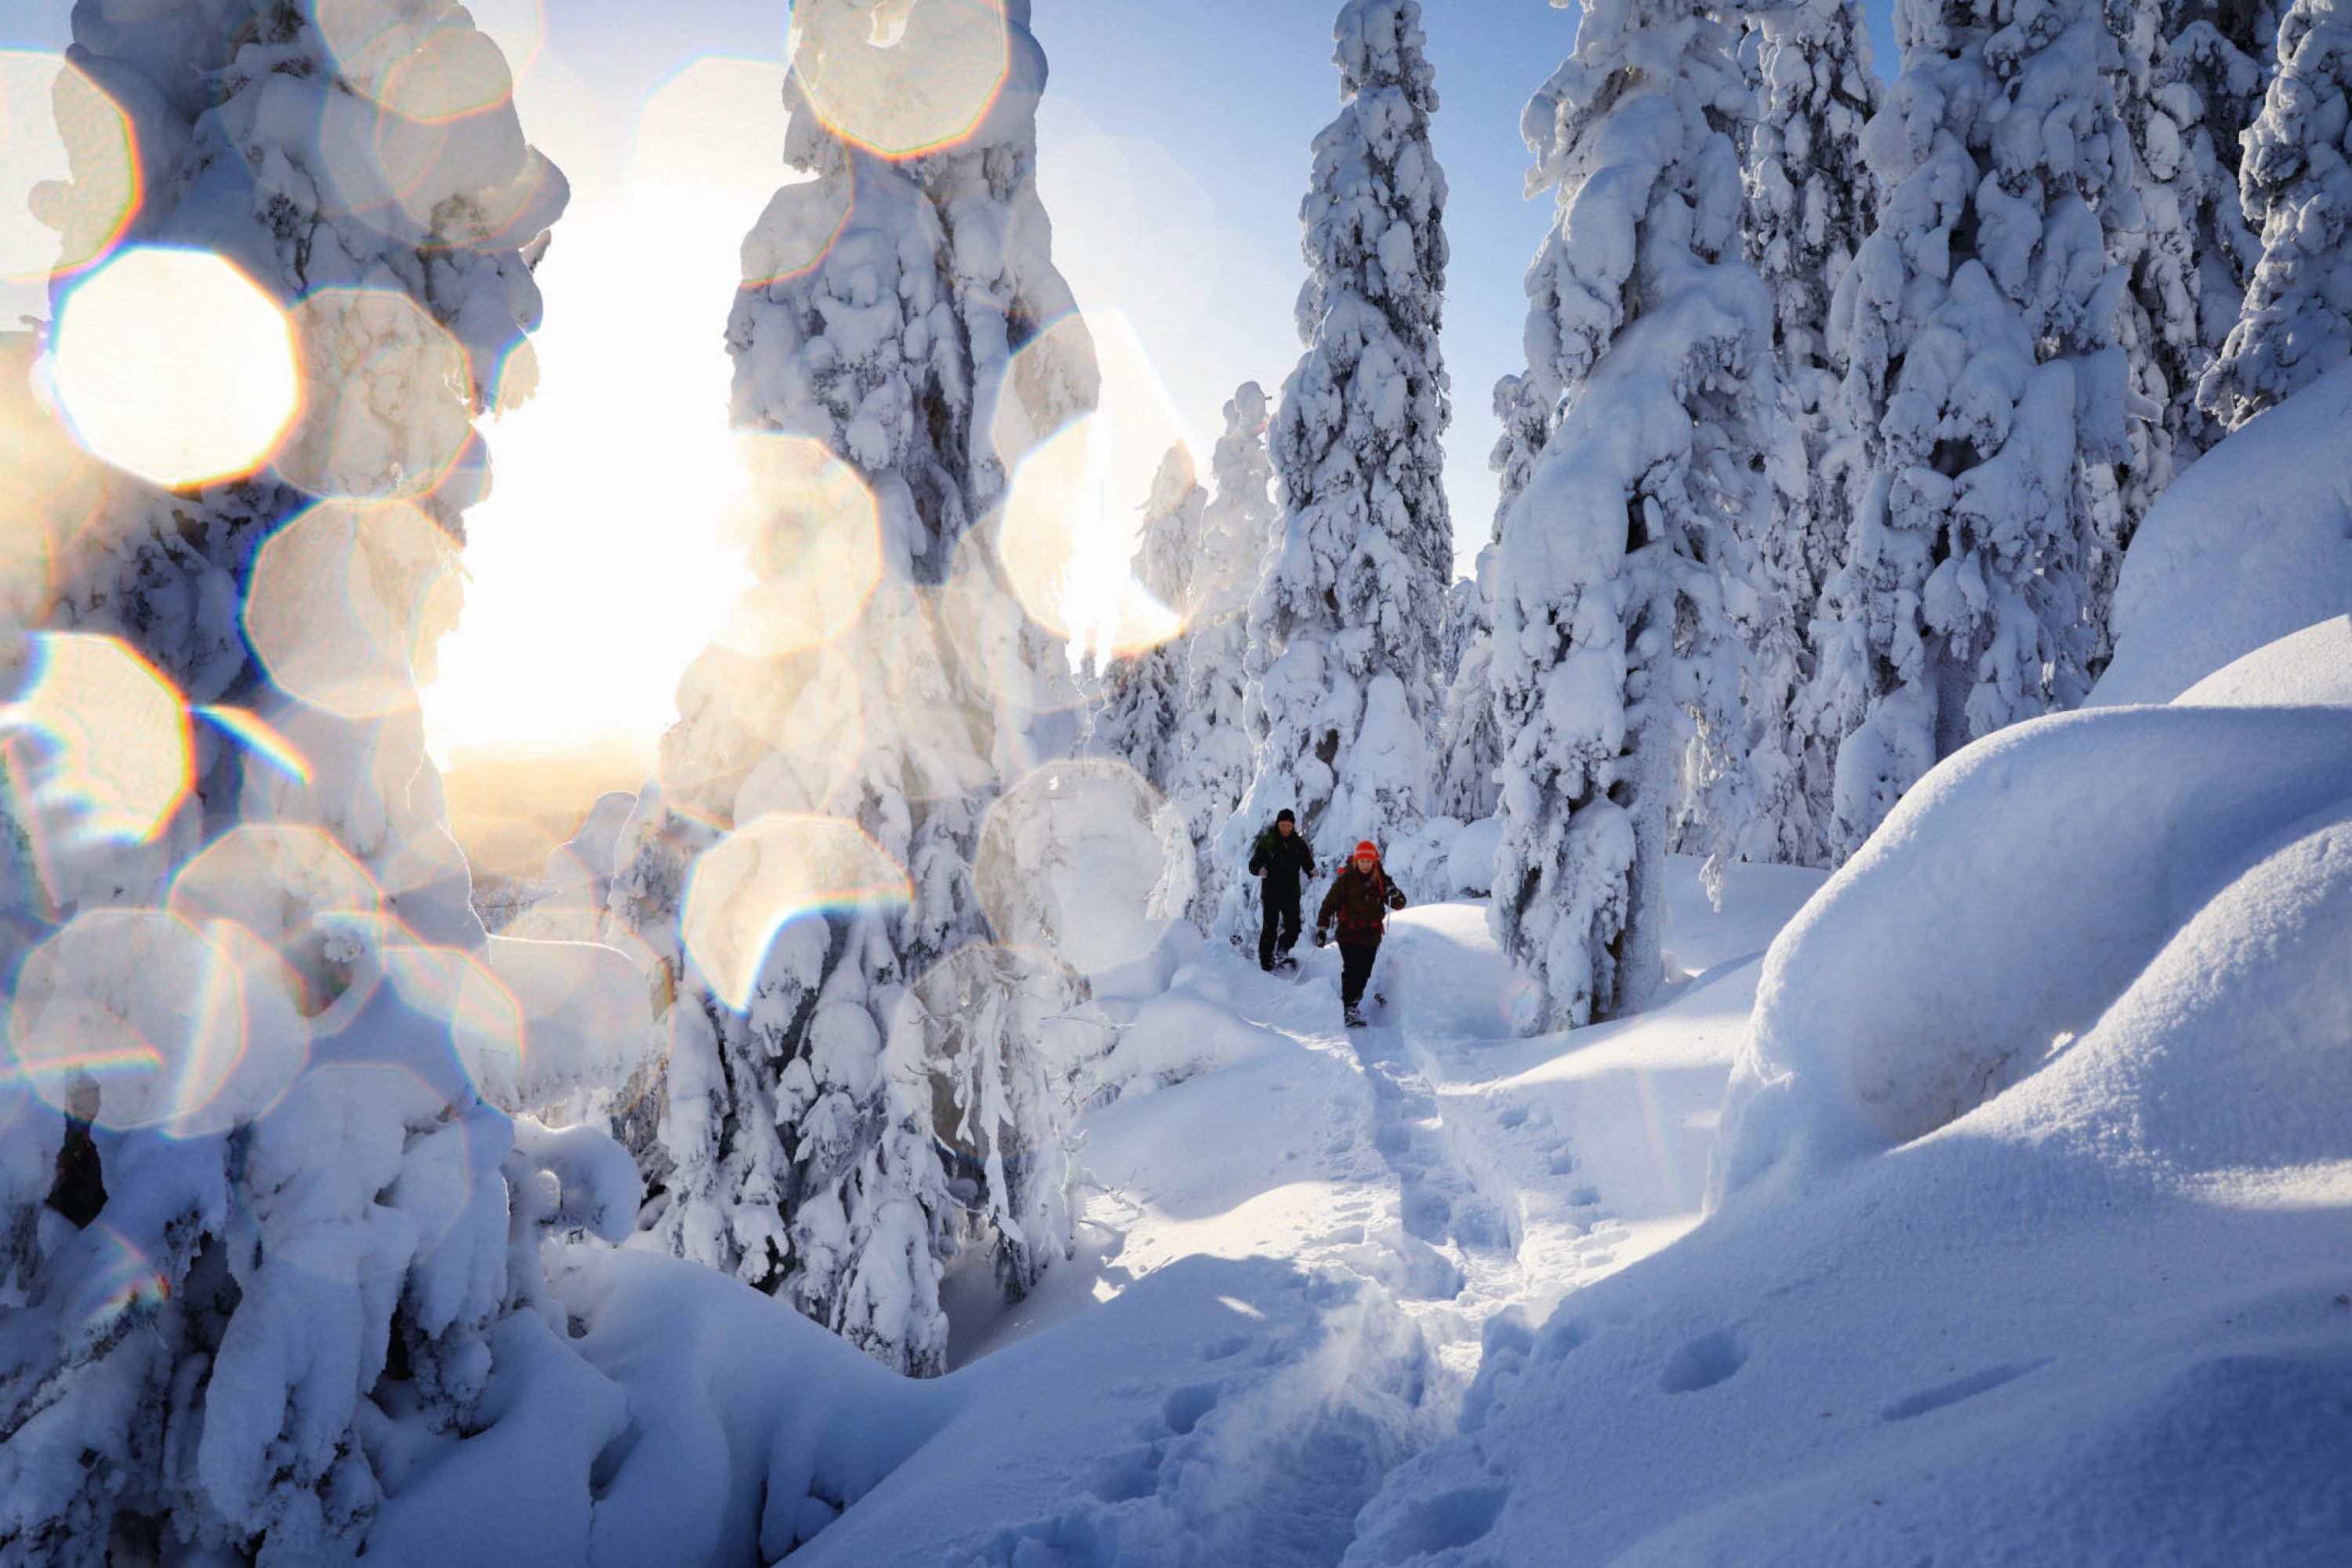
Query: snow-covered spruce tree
[
  {"x": 1809, "y": 209},
  {"x": 1469, "y": 745},
  {"x": 1142, "y": 719},
  {"x": 1461, "y": 626},
  {"x": 1978, "y": 326},
  {"x": 2297, "y": 184},
  {"x": 1529, "y": 404},
  {"x": 1617, "y": 577},
  {"x": 235, "y": 1285},
  {"x": 780, "y": 1152},
  {"x": 1344, "y": 630},
  {"x": 1215, "y": 757},
  {"x": 2191, "y": 81}
]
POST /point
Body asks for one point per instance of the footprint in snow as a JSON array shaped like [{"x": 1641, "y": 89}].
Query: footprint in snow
[{"x": 1704, "y": 1362}]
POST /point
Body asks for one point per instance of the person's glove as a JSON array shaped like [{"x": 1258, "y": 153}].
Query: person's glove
[
  {"x": 1322, "y": 937},
  {"x": 1396, "y": 900}
]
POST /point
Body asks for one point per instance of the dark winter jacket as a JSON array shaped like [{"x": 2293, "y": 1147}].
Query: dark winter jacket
[
  {"x": 1360, "y": 904},
  {"x": 1285, "y": 862}
]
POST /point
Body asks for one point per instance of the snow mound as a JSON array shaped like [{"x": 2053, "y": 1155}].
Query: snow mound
[
  {"x": 1470, "y": 859},
  {"x": 1173, "y": 1038},
  {"x": 2253, "y": 542},
  {"x": 2004, "y": 907},
  {"x": 2103, "y": 1315}
]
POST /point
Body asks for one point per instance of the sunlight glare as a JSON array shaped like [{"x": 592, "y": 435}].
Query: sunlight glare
[{"x": 595, "y": 567}]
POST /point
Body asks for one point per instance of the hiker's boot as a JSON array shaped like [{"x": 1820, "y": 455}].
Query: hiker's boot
[{"x": 1355, "y": 1016}]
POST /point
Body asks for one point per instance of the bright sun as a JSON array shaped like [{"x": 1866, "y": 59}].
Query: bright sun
[
  {"x": 600, "y": 566},
  {"x": 596, "y": 567}
]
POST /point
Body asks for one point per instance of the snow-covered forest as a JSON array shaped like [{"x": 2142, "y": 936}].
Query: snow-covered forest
[{"x": 1786, "y": 997}]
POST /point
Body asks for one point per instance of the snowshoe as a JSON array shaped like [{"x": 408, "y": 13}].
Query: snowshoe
[
  {"x": 1287, "y": 964},
  {"x": 1355, "y": 1018}
]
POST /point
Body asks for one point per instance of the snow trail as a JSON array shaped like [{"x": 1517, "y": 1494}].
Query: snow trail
[{"x": 1304, "y": 1240}]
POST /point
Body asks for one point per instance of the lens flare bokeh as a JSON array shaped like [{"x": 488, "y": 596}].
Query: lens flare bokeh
[
  {"x": 757, "y": 736},
  {"x": 346, "y": 601},
  {"x": 484, "y": 1018},
  {"x": 298, "y": 891},
  {"x": 518, "y": 28},
  {"x": 752, "y": 884},
  {"x": 121, "y": 1284},
  {"x": 1065, "y": 537},
  {"x": 50, "y": 490},
  {"x": 797, "y": 231},
  {"x": 258, "y": 736},
  {"x": 427, "y": 144},
  {"x": 68, "y": 168},
  {"x": 812, "y": 538},
  {"x": 687, "y": 171},
  {"x": 904, "y": 77},
  {"x": 102, "y": 739},
  {"x": 389, "y": 405},
  {"x": 437, "y": 71},
  {"x": 451, "y": 73},
  {"x": 1069, "y": 859},
  {"x": 174, "y": 365},
  {"x": 138, "y": 1018},
  {"x": 587, "y": 1029}
]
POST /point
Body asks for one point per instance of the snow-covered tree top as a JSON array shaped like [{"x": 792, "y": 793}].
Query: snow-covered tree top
[{"x": 1344, "y": 629}]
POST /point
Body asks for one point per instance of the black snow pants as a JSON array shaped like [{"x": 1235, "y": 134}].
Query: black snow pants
[
  {"x": 1279, "y": 931},
  {"x": 1356, "y": 970}
]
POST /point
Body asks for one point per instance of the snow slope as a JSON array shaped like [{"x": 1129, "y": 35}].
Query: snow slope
[
  {"x": 2031, "y": 1230},
  {"x": 2104, "y": 1317}
]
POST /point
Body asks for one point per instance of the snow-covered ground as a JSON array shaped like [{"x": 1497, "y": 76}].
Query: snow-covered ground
[
  {"x": 1287, "y": 1272},
  {"x": 1989, "y": 1201}
]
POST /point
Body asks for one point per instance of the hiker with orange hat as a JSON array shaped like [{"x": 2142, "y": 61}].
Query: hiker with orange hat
[{"x": 1358, "y": 902}]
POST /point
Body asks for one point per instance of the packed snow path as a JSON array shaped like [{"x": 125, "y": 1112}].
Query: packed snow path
[{"x": 1285, "y": 1280}]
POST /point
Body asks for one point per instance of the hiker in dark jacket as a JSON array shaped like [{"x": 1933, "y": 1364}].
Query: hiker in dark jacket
[
  {"x": 1282, "y": 862},
  {"x": 1359, "y": 903}
]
